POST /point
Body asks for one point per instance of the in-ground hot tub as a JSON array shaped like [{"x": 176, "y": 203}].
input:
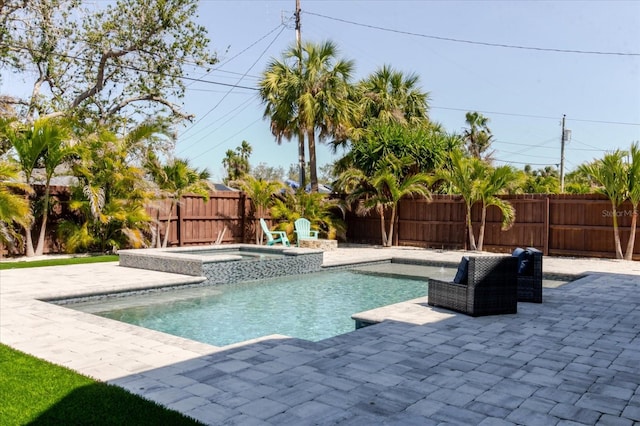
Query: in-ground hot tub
[{"x": 226, "y": 263}]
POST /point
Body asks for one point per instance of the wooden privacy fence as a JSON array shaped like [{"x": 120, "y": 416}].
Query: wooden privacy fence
[{"x": 564, "y": 225}]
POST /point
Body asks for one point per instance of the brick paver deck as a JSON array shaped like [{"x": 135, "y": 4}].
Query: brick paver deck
[{"x": 574, "y": 359}]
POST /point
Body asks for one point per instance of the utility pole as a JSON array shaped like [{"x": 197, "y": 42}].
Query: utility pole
[
  {"x": 301, "y": 161},
  {"x": 564, "y": 138}
]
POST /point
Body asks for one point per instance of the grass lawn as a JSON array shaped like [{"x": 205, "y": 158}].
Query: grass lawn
[
  {"x": 58, "y": 261},
  {"x": 37, "y": 392}
]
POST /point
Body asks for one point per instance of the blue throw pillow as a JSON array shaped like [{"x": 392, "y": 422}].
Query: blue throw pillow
[
  {"x": 463, "y": 271},
  {"x": 525, "y": 261}
]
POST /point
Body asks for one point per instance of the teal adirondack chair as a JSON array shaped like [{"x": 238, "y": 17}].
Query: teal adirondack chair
[
  {"x": 303, "y": 230},
  {"x": 274, "y": 237}
]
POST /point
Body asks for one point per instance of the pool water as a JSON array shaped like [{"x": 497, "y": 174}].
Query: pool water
[{"x": 310, "y": 306}]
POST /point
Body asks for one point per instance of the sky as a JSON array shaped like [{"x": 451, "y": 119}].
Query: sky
[
  {"x": 460, "y": 51},
  {"x": 524, "y": 92}
]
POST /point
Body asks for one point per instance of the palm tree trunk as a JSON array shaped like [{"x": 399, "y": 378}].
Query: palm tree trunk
[
  {"x": 483, "y": 221},
  {"x": 312, "y": 160},
  {"x": 632, "y": 237},
  {"x": 383, "y": 230},
  {"x": 391, "y": 227},
  {"x": 616, "y": 232},
  {"x": 43, "y": 227},
  {"x": 472, "y": 240},
  {"x": 29, "y": 242},
  {"x": 166, "y": 231},
  {"x": 301, "y": 177}
]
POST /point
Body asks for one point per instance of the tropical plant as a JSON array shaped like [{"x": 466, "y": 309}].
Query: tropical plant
[
  {"x": 175, "y": 179},
  {"x": 261, "y": 192},
  {"x": 423, "y": 142},
  {"x": 45, "y": 144},
  {"x": 110, "y": 198},
  {"x": 383, "y": 190},
  {"x": 609, "y": 176},
  {"x": 476, "y": 181},
  {"x": 389, "y": 95},
  {"x": 237, "y": 162},
  {"x": 497, "y": 181},
  {"x": 319, "y": 209},
  {"x": 477, "y": 137},
  {"x": 633, "y": 174},
  {"x": 14, "y": 208},
  {"x": 308, "y": 93},
  {"x": 541, "y": 181}
]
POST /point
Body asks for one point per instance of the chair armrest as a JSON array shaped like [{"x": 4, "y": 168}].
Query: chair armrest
[
  {"x": 447, "y": 295},
  {"x": 313, "y": 234}
]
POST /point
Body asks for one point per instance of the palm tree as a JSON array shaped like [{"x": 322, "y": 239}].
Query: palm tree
[
  {"x": 477, "y": 136},
  {"x": 634, "y": 195},
  {"x": 610, "y": 176},
  {"x": 14, "y": 208},
  {"x": 44, "y": 144},
  {"x": 175, "y": 179},
  {"x": 261, "y": 192},
  {"x": 384, "y": 190},
  {"x": 389, "y": 95},
  {"x": 318, "y": 208},
  {"x": 110, "y": 197},
  {"x": 57, "y": 150},
  {"x": 308, "y": 93},
  {"x": 476, "y": 182},
  {"x": 496, "y": 181}
]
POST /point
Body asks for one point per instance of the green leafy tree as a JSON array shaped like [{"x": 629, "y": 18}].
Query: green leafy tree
[
  {"x": 541, "y": 181},
  {"x": 477, "y": 136},
  {"x": 307, "y": 93},
  {"x": 633, "y": 174},
  {"x": 577, "y": 183},
  {"x": 610, "y": 177},
  {"x": 236, "y": 162},
  {"x": 175, "y": 179},
  {"x": 126, "y": 59},
  {"x": 265, "y": 172},
  {"x": 14, "y": 208},
  {"x": 427, "y": 145},
  {"x": 476, "y": 181}
]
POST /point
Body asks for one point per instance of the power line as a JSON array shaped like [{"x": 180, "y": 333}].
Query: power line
[
  {"x": 226, "y": 94},
  {"x": 480, "y": 43},
  {"x": 544, "y": 117}
]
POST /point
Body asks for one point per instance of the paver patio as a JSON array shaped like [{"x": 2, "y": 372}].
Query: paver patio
[{"x": 574, "y": 359}]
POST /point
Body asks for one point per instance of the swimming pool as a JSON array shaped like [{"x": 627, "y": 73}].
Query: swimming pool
[{"x": 311, "y": 306}]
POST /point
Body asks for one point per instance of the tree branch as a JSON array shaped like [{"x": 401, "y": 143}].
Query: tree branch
[{"x": 175, "y": 109}]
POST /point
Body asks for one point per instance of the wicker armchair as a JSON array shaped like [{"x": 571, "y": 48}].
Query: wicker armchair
[
  {"x": 530, "y": 278},
  {"x": 491, "y": 288}
]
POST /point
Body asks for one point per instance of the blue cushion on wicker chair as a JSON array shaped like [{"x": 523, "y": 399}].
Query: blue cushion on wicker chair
[
  {"x": 525, "y": 261},
  {"x": 463, "y": 271}
]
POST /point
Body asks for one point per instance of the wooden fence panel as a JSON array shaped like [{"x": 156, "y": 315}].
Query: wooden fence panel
[{"x": 569, "y": 225}]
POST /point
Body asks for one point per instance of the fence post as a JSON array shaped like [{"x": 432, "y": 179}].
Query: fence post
[
  {"x": 180, "y": 221},
  {"x": 243, "y": 220},
  {"x": 547, "y": 226}
]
